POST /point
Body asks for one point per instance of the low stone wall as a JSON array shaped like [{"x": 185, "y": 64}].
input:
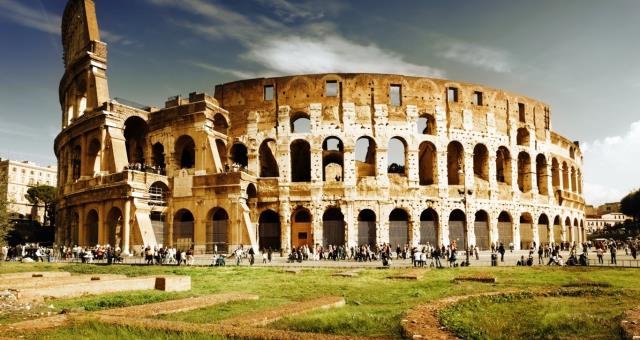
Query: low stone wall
[
  {"x": 27, "y": 275},
  {"x": 54, "y": 281}
]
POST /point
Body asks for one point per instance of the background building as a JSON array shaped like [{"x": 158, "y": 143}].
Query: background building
[
  {"x": 18, "y": 177},
  {"x": 327, "y": 159},
  {"x": 605, "y": 215}
]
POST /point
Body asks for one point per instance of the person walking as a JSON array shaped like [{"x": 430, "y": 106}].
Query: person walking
[
  {"x": 599, "y": 254},
  {"x": 613, "y": 251},
  {"x": 501, "y": 250},
  {"x": 540, "y": 253}
]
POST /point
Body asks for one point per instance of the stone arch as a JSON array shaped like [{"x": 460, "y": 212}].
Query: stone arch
[
  {"x": 555, "y": 173},
  {"x": 301, "y": 231},
  {"x": 185, "y": 151},
  {"x": 503, "y": 165},
  {"x": 91, "y": 227},
  {"x": 526, "y": 230},
  {"x": 115, "y": 223},
  {"x": 428, "y": 164},
  {"x": 158, "y": 194},
  {"x": 524, "y": 172},
  {"x": 217, "y": 238},
  {"x": 481, "y": 162},
  {"x": 300, "y": 122},
  {"x": 333, "y": 227},
  {"x": 565, "y": 176},
  {"x": 268, "y": 163},
  {"x": 365, "y": 155},
  {"x": 522, "y": 137},
  {"x": 541, "y": 174},
  {"x": 458, "y": 229},
  {"x": 239, "y": 154},
  {"x": 544, "y": 228},
  {"x": 367, "y": 234},
  {"x": 574, "y": 180},
  {"x": 135, "y": 135},
  {"x": 455, "y": 163},
  {"x": 158, "y": 156},
  {"x": 557, "y": 230},
  {"x": 252, "y": 192},
  {"x": 567, "y": 229},
  {"x": 269, "y": 230},
  {"x": 575, "y": 234},
  {"x": 430, "y": 228},
  {"x": 397, "y": 159},
  {"x": 332, "y": 159},
  {"x": 220, "y": 123},
  {"x": 300, "y": 161},
  {"x": 505, "y": 228},
  {"x": 94, "y": 157},
  {"x": 482, "y": 230},
  {"x": 426, "y": 124},
  {"x": 398, "y": 227},
  {"x": 183, "y": 229}
]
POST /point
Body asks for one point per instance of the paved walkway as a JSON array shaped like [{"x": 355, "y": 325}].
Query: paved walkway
[{"x": 510, "y": 259}]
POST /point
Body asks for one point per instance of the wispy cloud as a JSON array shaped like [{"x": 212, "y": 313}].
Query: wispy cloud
[
  {"x": 484, "y": 57},
  {"x": 237, "y": 73},
  {"x": 43, "y": 21},
  {"x": 290, "y": 11},
  {"x": 611, "y": 166}
]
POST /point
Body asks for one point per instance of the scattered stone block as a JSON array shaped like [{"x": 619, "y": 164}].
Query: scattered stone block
[
  {"x": 173, "y": 283},
  {"x": 483, "y": 279}
]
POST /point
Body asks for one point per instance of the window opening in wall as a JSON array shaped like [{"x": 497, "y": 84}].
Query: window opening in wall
[
  {"x": 300, "y": 123},
  {"x": 546, "y": 118},
  {"x": 158, "y": 195},
  {"x": 268, "y": 92},
  {"x": 452, "y": 94},
  {"x": 331, "y": 88},
  {"x": 395, "y": 92},
  {"x": 477, "y": 98},
  {"x": 521, "y": 112},
  {"x": 426, "y": 124}
]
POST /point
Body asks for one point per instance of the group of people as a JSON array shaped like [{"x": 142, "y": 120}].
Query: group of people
[
  {"x": 154, "y": 169},
  {"x": 168, "y": 255},
  {"x": 26, "y": 252}
]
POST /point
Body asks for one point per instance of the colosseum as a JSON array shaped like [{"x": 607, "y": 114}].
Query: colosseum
[{"x": 322, "y": 159}]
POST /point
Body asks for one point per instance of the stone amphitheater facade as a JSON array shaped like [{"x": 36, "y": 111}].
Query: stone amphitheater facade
[{"x": 309, "y": 159}]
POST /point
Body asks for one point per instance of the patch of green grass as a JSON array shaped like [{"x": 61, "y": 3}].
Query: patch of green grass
[
  {"x": 224, "y": 311},
  {"x": 96, "y": 330}
]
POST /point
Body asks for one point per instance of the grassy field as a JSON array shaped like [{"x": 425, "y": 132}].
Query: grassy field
[{"x": 374, "y": 304}]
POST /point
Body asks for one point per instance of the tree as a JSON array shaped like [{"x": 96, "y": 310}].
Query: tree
[
  {"x": 5, "y": 224},
  {"x": 630, "y": 205},
  {"x": 45, "y": 195}
]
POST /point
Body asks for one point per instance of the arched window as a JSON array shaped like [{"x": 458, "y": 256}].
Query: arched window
[
  {"x": 158, "y": 156},
  {"x": 183, "y": 223},
  {"x": 565, "y": 176},
  {"x": 332, "y": 160},
  {"x": 94, "y": 157},
  {"x": 300, "y": 123},
  {"x": 541, "y": 174},
  {"x": 524, "y": 172},
  {"x": 239, "y": 155},
  {"x": 505, "y": 229},
  {"x": 481, "y": 162},
  {"x": 398, "y": 228},
  {"x": 526, "y": 231},
  {"x": 458, "y": 229},
  {"x": 367, "y": 228},
  {"x": 158, "y": 193},
  {"x": 333, "y": 227},
  {"x": 269, "y": 230},
  {"x": 426, "y": 124},
  {"x": 522, "y": 137},
  {"x": 503, "y": 165},
  {"x": 300, "y": 161},
  {"x": 365, "y": 156},
  {"x": 555, "y": 173},
  {"x": 218, "y": 231},
  {"x": 135, "y": 134},
  {"x": 220, "y": 123},
  {"x": 397, "y": 156},
  {"x": 455, "y": 163},
  {"x": 428, "y": 163},
  {"x": 481, "y": 229},
  {"x": 429, "y": 228},
  {"x": 186, "y": 152},
  {"x": 268, "y": 163}
]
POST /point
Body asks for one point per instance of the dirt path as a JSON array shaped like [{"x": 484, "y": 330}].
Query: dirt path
[
  {"x": 631, "y": 324},
  {"x": 266, "y": 317}
]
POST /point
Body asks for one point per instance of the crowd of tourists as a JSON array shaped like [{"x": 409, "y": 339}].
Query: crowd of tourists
[{"x": 154, "y": 169}]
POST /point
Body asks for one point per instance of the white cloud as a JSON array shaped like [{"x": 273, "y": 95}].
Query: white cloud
[
  {"x": 44, "y": 21},
  {"x": 611, "y": 166},
  {"x": 480, "y": 56},
  {"x": 237, "y": 73}
]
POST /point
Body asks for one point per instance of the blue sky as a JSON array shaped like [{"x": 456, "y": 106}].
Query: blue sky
[{"x": 578, "y": 56}]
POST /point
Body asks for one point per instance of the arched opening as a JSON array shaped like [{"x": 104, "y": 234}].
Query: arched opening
[
  {"x": 301, "y": 233},
  {"x": 300, "y": 161},
  {"x": 91, "y": 226},
  {"x": 572, "y": 152},
  {"x": 557, "y": 230},
  {"x": 458, "y": 229},
  {"x": 93, "y": 157},
  {"x": 158, "y": 157},
  {"x": 268, "y": 163},
  {"x": 524, "y": 172},
  {"x": 222, "y": 153},
  {"x": 522, "y": 137},
  {"x": 332, "y": 160},
  {"x": 300, "y": 123},
  {"x": 158, "y": 194},
  {"x": 426, "y": 124},
  {"x": 543, "y": 229},
  {"x": 252, "y": 192},
  {"x": 455, "y": 163},
  {"x": 185, "y": 149},
  {"x": 429, "y": 228},
  {"x": 565, "y": 176},
  {"x": 526, "y": 231},
  {"x": 573, "y": 180},
  {"x": 567, "y": 230},
  {"x": 503, "y": 165},
  {"x": 269, "y": 230},
  {"x": 575, "y": 234},
  {"x": 158, "y": 224},
  {"x": 428, "y": 163},
  {"x": 76, "y": 162},
  {"x": 115, "y": 224},
  {"x": 505, "y": 228},
  {"x": 333, "y": 227},
  {"x": 365, "y": 156},
  {"x": 183, "y": 223},
  {"x": 397, "y": 156},
  {"x": 218, "y": 231},
  {"x": 398, "y": 228},
  {"x": 481, "y": 162},
  {"x": 240, "y": 155},
  {"x": 220, "y": 123},
  {"x": 481, "y": 229},
  {"x": 135, "y": 135},
  {"x": 555, "y": 174},
  {"x": 367, "y": 228},
  {"x": 541, "y": 174}
]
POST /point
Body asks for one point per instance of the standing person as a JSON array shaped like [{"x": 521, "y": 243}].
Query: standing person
[
  {"x": 613, "y": 251},
  {"x": 251, "y": 256},
  {"x": 540, "y": 253},
  {"x": 501, "y": 250},
  {"x": 475, "y": 250},
  {"x": 269, "y": 254},
  {"x": 599, "y": 254}
]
